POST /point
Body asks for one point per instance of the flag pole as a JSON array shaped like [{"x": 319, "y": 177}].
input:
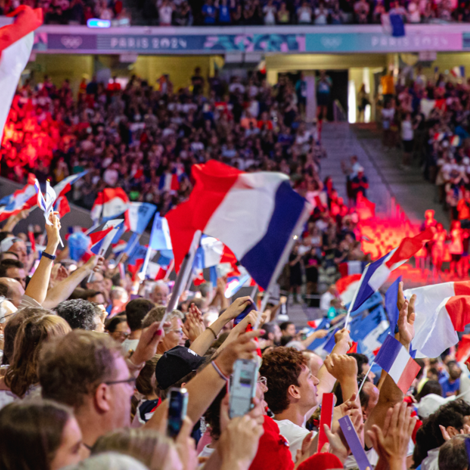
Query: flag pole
[
  {"x": 148, "y": 255},
  {"x": 305, "y": 214},
  {"x": 365, "y": 378},
  {"x": 253, "y": 292},
  {"x": 183, "y": 275},
  {"x": 354, "y": 298}
]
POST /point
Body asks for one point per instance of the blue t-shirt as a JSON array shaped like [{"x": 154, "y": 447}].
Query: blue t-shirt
[
  {"x": 448, "y": 387},
  {"x": 224, "y": 14},
  {"x": 209, "y": 12}
]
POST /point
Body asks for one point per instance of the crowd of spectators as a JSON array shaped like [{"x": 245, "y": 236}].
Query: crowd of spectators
[
  {"x": 431, "y": 115},
  {"x": 83, "y": 385},
  {"x": 246, "y": 12},
  {"x": 72, "y": 12},
  {"x": 135, "y": 136}
]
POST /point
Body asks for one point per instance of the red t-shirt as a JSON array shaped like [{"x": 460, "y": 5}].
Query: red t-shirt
[{"x": 273, "y": 449}]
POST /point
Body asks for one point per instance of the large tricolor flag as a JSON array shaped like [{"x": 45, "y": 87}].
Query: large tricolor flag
[
  {"x": 22, "y": 199},
  {"x": 395, "y": 359},
  {"x": 255, "y": 214},
  {"x": 376, "y": 273},
  {"x": 16, "y": 44},
  {"x": 441, "y": 311},
  {"x": 110, "y": 203}
]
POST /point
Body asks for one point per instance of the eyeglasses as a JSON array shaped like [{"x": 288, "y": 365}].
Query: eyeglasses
[
  {"x": 130, "y": 381},
  {"x": 263, "y": 381},
  {"x": 178, "y": 331}
]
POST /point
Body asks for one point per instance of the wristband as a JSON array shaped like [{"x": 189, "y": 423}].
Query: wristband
[
  {"x": 221, "y": 374},
  {"x": 48, "y": 256},
  {"x": 213, "y": 332}
]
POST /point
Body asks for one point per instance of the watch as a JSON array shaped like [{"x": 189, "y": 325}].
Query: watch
[{"x": 47, "y": 255}]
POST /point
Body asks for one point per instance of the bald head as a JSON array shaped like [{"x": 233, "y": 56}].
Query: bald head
[
  {"x": 12, "y": 290},
  {"x": 314, "y": 361}
]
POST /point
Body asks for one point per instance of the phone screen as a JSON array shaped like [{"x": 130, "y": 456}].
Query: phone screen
[
  {"x": 178, "y": 402},
  {"x": 243, "y": 387}
]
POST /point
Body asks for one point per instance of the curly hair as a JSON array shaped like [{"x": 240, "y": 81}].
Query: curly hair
[
  {"x": 79, "y": 313},
  {"x": 282, "y": 367},
  {"x": 73, "y": 366}
]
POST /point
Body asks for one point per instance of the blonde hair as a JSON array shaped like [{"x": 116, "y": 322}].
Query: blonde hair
[
  {"x": 146, "y": 445},
  {"x": 157, "y": 314},
  {"x": 33, "y": 333}
]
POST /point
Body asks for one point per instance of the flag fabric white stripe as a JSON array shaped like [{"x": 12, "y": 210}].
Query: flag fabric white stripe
[
  {"x": 434, "y": 331},
  {"x": 238, "y": 200},
  {"x": 399, "y": 365},
  {"x": 12, "y": 63}
]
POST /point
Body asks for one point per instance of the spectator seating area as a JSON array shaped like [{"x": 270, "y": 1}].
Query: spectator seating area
[{"x": 245, "y": 12}]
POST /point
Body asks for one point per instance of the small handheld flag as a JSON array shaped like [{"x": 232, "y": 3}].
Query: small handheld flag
[{"x": 396, "y": 360}]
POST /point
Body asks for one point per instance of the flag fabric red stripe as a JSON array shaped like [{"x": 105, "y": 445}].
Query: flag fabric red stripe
[
  {"x": 27, "y": 20},
  {"x": 409, "y": 246},
  {"x": 462, "y": 288},
  {"x": 463, "y": 348},
  {"x": 95, "y": 237},
  {"x": 213, "y": 181},
  {"x": 458, "y": 308},
  {"x": 409, "y": 374}
]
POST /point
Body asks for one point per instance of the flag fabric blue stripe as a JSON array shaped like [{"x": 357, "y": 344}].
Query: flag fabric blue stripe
[
  {"x": 262, "y": 259},
  {"x": 388, "y": 353},
  {"x": 391, "y": 304},
  {"x": 324, "y": 325},
  {"x": 365, "y": 291},
  {"x": 330, "y": 344}
]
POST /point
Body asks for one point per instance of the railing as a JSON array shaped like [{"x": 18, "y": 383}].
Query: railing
[{"x": 339, "y": 114}]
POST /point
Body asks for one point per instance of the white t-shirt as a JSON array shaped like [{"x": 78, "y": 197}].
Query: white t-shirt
[
  {"x": 325, "y": 301},
  {"x": 294, "y": 435},
  {"x": 305, "y": 15},
  {"x": 321, "y": 16},
  {"x": 407, "y": 132},
  {"x": 269, "y": 15},
  {"x": 165, "y": 13}
]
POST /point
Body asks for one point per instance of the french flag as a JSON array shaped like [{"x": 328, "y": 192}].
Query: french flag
[
  {"x": 65, "y": 185},
  {"x": 441, "y": 311},
  {"x": 351, "y": 267},
  {"x": 156, "y": 271},
  {"x": 347, "y": 287},
  {"x": 22, "y": 199},
  {"x": 209, "y": 253},
  {"x": 61, "y": 205},
  {"x": 16, "y": 44},
  {"x": 255, "y": 214},
  {"x": 458, "y": 72},
  {"x": 376, "y": 273},
  {"x": 110, "y": 203},
  {"x": 101, "y": 239},
  {"x": 119, "y": 247},
  {"x": 169, "y": 182},
  {"x": 397, "y": 362}
]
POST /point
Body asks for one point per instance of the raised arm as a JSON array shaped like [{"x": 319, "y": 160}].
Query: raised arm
[
  {"x": 342, "y": 346},
  {"x": 203, "y": 342},
  {"x": 63, "y": 290},
  {"x": 37, "y": 287},
  {"x": 203, "y": 389},
  {"x": 390, "y": 394}
]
